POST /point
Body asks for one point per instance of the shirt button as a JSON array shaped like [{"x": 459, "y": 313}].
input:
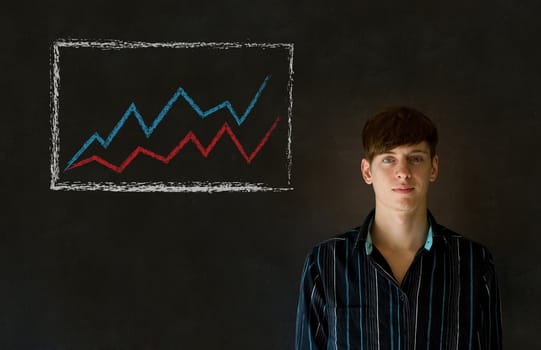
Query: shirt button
[{"x": 402, "y": 297}]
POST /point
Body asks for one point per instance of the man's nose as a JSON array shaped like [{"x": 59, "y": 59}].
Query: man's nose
[{"x": 403, "y": 170}]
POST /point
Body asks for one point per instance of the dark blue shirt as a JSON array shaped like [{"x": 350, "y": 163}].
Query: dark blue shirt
[{"x": 448, "y": 299}]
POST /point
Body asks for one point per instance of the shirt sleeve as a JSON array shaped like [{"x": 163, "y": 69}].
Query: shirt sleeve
[
  {"x": 491, "y": 307},
  {"x": 311, "y": 324}
]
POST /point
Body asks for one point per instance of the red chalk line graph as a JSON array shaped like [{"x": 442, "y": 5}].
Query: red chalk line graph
[{"x": 190, "y": 136}]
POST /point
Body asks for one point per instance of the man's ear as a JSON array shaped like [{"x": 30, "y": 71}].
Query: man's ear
[
  {"x": 435, "y": 168},
  {"x": 365, "y": 171}
]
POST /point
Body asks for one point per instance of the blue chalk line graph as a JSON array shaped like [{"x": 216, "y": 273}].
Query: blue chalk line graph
[{"x": 148, "y": 130}]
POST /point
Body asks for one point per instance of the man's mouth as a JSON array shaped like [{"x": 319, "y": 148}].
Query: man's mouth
[{"x": 403, "y": 190}]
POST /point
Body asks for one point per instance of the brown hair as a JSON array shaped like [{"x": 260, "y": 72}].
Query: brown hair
[{"x": 395, "y": 127}]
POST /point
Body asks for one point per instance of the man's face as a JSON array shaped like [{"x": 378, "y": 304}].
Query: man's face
[{"x": 401, "y": 176}]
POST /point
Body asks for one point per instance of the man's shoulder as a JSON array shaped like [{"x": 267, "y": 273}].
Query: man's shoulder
[
  {"x": 460, "y": 244},
  {"x": 348, "y": 238}
]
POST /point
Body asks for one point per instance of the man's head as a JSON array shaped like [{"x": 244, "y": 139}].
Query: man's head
[
  {"x": 400, "y": 158},
  {"x": 396, "y": 127}
]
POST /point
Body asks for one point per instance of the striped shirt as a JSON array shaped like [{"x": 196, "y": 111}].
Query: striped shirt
[{"x": 448, "y": 299}]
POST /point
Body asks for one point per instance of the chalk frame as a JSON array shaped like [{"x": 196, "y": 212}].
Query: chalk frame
[{"x": 193, "y": 186}]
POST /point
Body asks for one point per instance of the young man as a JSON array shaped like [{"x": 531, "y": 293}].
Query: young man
[{"x": 401, "y": 280}]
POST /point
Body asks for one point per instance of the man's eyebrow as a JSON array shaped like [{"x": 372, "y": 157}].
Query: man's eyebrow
[{"x": 413, "y": 151}]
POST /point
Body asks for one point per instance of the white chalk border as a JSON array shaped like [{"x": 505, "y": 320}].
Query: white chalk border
[{"x": 209, "y": 187}]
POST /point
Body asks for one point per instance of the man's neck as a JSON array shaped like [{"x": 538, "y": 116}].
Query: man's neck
[{"x": 399, "y": 231}]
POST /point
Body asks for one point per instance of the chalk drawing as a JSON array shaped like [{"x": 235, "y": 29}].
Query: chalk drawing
[
  {"x": 165, "y": 186},
  {"x": 132, "y": 110}
]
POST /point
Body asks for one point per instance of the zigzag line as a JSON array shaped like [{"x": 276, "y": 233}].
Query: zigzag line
[
  {"x": 190, "y": 136},
  {"x": 148, "y": 130}
]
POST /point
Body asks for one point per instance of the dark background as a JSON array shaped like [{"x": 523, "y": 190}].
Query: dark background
[{"x": 101, "y": 270}]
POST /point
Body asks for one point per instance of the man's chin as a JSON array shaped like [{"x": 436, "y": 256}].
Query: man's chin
[{"x": 405, "y": 207}]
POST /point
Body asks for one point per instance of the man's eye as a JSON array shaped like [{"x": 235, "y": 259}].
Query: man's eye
[
  {"x": 387, "y": 160},
  {"x": 416, "y": 159}
]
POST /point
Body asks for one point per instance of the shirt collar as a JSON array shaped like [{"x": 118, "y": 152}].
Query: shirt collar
[{"x": 368, "y": 242}]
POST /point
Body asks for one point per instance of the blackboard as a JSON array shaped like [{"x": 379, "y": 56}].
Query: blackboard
[{"x": 214, "y": 260}]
